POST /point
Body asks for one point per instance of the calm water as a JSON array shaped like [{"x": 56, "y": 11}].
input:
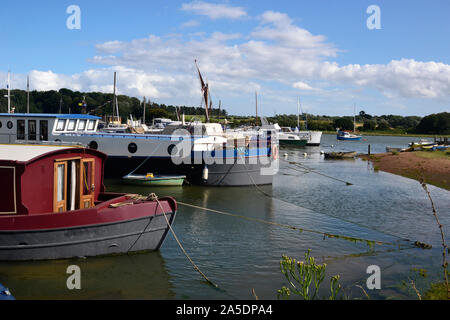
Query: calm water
[{"x": 241, "y": 255}]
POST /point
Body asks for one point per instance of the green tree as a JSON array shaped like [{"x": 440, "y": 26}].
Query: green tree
[
  {"x": 438, "y": 123},
  {"x": 343, "y": 123}
]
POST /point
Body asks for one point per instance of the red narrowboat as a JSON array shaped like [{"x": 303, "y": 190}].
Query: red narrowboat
[{"x": 54, "y": 206}]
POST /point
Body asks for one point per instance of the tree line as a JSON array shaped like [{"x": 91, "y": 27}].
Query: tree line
[
  {"x": 100, "y": 104},
  {"x": 95, "y": 103},
  {"x": 432, "y": 124}
]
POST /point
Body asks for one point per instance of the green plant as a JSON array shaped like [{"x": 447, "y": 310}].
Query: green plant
[{"x": 302, "y": 274}]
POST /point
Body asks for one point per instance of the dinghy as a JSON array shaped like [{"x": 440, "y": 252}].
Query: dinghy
[{"x": 154, "y": 180}]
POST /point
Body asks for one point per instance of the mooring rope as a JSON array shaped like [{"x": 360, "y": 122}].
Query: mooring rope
[
  {"x": 154, "y": 197},
  {"x": 146, "y": 159},
  {"x": 417, "y": 244},
  {"x": 324, "y": 234},
  {"x": 313, "y": 171}
]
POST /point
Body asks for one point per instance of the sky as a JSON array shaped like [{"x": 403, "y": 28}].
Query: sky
[{"x": 335, "y": 56}]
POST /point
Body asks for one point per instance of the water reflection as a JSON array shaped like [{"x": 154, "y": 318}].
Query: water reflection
[{"x": 137, "y": 276}]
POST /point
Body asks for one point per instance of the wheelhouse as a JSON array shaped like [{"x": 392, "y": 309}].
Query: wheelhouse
[{"x": 35, "y": 127}]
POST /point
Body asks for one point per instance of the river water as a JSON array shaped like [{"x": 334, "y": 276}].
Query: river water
[{"x": 240, "y": 255}]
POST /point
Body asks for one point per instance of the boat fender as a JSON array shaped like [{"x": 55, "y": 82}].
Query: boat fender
[{"x": 205, "y": 173}]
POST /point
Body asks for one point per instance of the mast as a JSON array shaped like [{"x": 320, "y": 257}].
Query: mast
[
  {"x": 143, "y": 116},
  {"x": 9, "y": 91},
  {"x": 205, "y": 92},
  {"x": 298, "y": 113},
  {"x": 354, "y": 118},
  {"x": 220, "y": 104},
  {"x": 114, "y": 98},
  {"x": 256, "y": 100},
  {"x": 28, "y": 94}
]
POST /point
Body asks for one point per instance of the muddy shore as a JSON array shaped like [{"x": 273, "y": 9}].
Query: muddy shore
[{"x": 433, "y": 168}]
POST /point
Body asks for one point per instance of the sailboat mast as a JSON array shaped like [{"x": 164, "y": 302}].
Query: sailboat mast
[
  {"x": 28, "y": 94},
  {"x": 114, "y": 98},
  {"x": 298, "y": 113},
  {"x": 256, "y": 99},
  {"x": 354, "y": 118},
  {"x": 143, "y": 116},
  {"x": 9, "y": 91},
  {"x": 205, "y": 91}
]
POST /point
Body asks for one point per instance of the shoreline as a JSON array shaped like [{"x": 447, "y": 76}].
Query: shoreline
[
  {"x": 431, "y": 167},
  {"x": 411, "y": 135}
]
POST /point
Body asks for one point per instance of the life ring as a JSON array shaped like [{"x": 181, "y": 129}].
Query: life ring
[{"x": 275, "y": 152}]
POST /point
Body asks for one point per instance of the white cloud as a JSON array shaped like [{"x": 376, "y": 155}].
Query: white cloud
[
  {"x": 214, "y": 10},
  {"x": 304, "y": 86},
  {"x": 276, "y": 52},
  {"x": 190, "y": 24}
]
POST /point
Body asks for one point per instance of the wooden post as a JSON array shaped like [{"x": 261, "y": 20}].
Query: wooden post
[{"x": 368, "y": 150}]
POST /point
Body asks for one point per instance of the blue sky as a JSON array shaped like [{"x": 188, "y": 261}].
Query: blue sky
[{"x": 320, "y": 51}]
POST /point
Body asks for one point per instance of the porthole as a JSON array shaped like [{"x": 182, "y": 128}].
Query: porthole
[
  {"x": 93, "y": 145},
  {"x": 172, "y": 149},
  {"x": 9, "y": 124},
  {"x": 132, "y": 147},
  {"x": 0, "y": 124}
]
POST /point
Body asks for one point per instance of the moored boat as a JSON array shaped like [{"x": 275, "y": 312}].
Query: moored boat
[
  {"x": 179, "y": 149},
  {"x": 154, "y": 180},
  {"x": 345, "y": 135},
  {"x": 54, "y": 205},
  {"x": 340, "y": 155}
]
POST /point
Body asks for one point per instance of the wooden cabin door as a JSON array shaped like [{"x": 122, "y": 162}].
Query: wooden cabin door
[
  {"x": 87, "y": 183},
  {"x": 60, "y": 186}
]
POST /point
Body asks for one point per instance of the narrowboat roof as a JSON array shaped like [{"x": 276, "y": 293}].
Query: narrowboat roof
[
  {"x": 51, "y": 115},
  {"x": 28, "y": 152}
]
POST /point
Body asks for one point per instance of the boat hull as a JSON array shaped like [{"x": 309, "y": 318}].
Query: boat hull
[
  {"x": 350, "y": 139},
  {"x": 293, "y": 143},
  {"x": 141, "y": 180},
  {"x": 314, "y": 138},
  {"x": 131, "y": 228}
]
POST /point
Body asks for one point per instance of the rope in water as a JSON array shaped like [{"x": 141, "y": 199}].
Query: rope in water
[
  {"x": 370, "y": 242},
  {"x": 325, "y": 234},
  {"x": 154, "y": 197},
  {"x": 316, "y": 172}
]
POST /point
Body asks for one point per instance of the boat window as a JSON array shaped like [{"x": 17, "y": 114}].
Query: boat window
[
  {"x": 82, "y": 125},
  {"x": 43, "y": 127},
  {"x": 9, "y": 124},
  {"x": 60, "y": 187},
  {"x": 60, "y": 125},
  {"x": 0, "y": 124},
  {"x": 31, "y": 129},
  {"x": 60, "y": 192},
  {"x": 91, "y": 125},
  {"x": 87, "y": 183},
  {"x": 20, "y": 129},
  {"x": 72, "y": 125}
]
